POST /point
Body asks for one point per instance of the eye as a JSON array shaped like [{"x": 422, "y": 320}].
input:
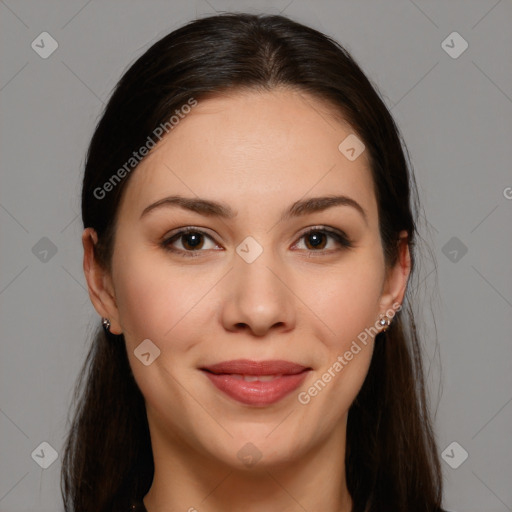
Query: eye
[
  {"x": 316, "y": 239},
  {"x": 191, "y": 240}
]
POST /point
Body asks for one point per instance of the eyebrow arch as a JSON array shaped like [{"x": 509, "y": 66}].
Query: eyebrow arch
[{"x": 214, "y": 209}]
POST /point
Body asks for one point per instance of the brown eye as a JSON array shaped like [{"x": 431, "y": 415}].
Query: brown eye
[
  {"x": 191, "y": 241},
  {"x": 316, "y": 239}
]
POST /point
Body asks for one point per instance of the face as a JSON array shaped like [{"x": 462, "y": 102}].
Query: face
[{"x": 268, "y": 275}]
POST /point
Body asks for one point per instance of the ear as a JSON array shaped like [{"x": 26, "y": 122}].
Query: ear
[
  {"x": 99, "y": 282},
  {"x": 395, "y": 284}
]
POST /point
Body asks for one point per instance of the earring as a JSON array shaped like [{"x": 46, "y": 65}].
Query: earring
[
  {"x": 106, "y": 324},
  {"x": 384, "y": 322}
]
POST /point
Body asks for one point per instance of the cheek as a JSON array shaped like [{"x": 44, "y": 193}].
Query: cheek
[
  {"x": 348, "y": 305},
  {"x": 347, "y": 299},
  {"x": 146, "y": 302},
  {"x": 347, "y": 302},
  {"x": 158, "y": 301}
]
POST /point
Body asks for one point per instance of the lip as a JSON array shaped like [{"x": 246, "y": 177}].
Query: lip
[
  {"x": 226, "y": 376},
  {"x": 249, "y": 367}
]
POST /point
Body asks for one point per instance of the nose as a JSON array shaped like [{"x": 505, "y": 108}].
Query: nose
[{"x": 258, "y": 297}]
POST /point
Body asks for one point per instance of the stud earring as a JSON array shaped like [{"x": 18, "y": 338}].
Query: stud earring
[
  {"x": 384, "y": 322},
  {"x": 106, "y": 324}
]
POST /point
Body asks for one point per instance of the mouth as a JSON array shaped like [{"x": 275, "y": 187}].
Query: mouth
[{"x": 256, "y": 383}]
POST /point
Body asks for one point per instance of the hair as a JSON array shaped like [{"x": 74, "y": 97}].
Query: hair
[{"x": 392, "y": 462}]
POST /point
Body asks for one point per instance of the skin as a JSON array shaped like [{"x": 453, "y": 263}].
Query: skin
[{"x": 258, "y": 152}]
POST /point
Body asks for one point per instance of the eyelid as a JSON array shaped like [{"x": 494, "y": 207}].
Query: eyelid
[{"x": 184, "y": 230}]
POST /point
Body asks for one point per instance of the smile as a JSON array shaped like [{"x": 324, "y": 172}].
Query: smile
[{"x": 256, "y": 383}]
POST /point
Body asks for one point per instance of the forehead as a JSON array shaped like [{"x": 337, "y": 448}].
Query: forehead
[{"x": 255, "y": 148}]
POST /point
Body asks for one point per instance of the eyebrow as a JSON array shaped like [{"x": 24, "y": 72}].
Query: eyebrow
[{"x": 215, "y": 209}]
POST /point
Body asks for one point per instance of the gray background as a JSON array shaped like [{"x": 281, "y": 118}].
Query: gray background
[{"x": 456, "y": 117}]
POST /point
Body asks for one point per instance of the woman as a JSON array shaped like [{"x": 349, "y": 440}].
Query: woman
[{"x": 250, "y": 223}]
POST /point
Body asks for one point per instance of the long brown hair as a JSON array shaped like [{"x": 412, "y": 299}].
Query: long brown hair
[{"x": 392, "y": 462}]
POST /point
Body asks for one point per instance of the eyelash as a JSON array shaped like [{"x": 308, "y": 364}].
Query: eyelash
[{"x": 340, "y": 237}]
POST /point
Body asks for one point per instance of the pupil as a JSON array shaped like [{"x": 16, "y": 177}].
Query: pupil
[
  {"x": 317, "y": 237},
  {"x": 195, "y": 237}
]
